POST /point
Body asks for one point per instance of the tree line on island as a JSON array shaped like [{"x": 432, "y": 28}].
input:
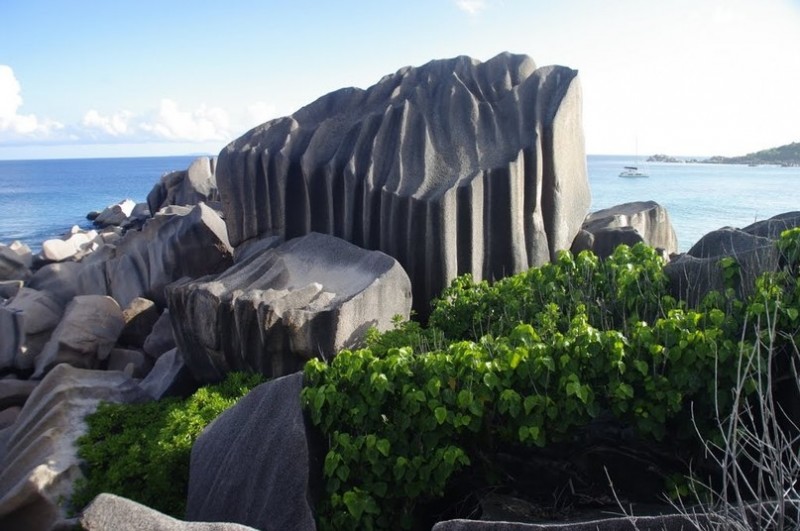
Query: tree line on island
[{"x": 787, "y": 155}]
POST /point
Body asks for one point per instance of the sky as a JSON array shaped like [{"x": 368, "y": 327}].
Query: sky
[{"x": 94, "y": 78}]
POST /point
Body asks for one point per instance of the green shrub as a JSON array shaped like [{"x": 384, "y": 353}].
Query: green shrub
[
  {"x": 528, "y": 361},
  {"x": 142, "y": 451}
]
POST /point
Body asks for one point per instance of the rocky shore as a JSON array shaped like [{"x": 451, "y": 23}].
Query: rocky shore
[{"x": 303, "y": 234}]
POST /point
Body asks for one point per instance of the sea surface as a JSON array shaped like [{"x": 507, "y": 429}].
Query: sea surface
[{"x": 41, "y": 199}]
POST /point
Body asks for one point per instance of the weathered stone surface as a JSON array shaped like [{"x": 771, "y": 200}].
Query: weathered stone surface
[
  {"x": 9, "y": 288},
  {"x": 15, "y": 262},
  {"x": 309, "y": 297},
  {"x": 161, "y": 338},
  {"x": 453, "y": 167},
  {"x": 186, "y": 187},
  {"x": 134, "y": 363},
  {"x": 12, "y": 340},
  {"x": 115, "y": 215},
  {"x": 694, "y": 274},
  {"x": 140, "y": 317},
  {"x": 8, "y": 416},
  {"x": 41, "y": 311},
  {"x": 86, "y": 334},
  {"x": 169, "y": 377},
  {"x": 65, "y": 280},
  {"x": 40, "y": 464},
  {"x": 255, "y": 464},
  {"x": 638, "y": 523},
  {"x": 110, "y": 512},
  {"x": 15, "y": 392},
  {"x": 168, "y": 248},
  {"x": 628, "y": 223}
]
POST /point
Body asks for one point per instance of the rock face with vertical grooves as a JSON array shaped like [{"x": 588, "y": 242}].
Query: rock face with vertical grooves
[
  {"x": 279, "y": 307},
  {"x": 453, "y": 167}
]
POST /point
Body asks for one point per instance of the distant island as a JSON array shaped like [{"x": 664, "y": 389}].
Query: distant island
[{"x": 788, "y": 155}]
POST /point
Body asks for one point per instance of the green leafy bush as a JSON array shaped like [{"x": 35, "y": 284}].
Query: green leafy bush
[
  {"x": 528, "y": 361},
  {"x": 142, "y": 451}
]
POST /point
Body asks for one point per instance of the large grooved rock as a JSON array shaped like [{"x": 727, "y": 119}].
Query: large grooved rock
[
  {"x": 168, "y": 247},
  {"x": 185, "y": 187},
  {"x": 698, "y": 272},
  {"x": 311, "y": 296},
  {"x": 86, "y": 334},
  {"x": 628, "y": 223},
  {"x": 40, "y": 465},
  {"x": 67, "y": 279},
  {"x": 453, "y": 167},
  {"x": 255, "y": 464},
  {"x": 110, "y": 512}
]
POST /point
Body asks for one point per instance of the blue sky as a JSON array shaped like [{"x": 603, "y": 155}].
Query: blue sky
[{"x": 98, "y": 78}]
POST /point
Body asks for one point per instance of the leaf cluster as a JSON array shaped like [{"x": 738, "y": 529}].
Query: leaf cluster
[
  {"x": 142, "y": 451},
  {"x": 529, "y": 361}
]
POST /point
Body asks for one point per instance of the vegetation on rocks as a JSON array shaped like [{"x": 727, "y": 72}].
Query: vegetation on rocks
[
  {"x": 142, "y": 451},
  {"x": 530, "y": 361}
]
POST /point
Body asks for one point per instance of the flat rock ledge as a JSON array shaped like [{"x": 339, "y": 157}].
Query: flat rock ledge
[
  {"x": 109, "y": 512},
  {"x": 309, "y": 297},
  {"x": 39, "y": 464},
  {"x": 457, "y": 166}
]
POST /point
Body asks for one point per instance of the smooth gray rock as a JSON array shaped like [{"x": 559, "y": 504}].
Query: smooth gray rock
[
  {"x": 41, "y": 311},
  {"x": 9, "y": 288},
  {"x": 255, "y": 464},
  {"x": 140, "y": 317},
  {"x": 161, "y": 338},
  {"x": 15, "y": 262},
  {"x": 15, "y": 392},
  {"x": 134, "y": 363},
  {"x": 65, "y": 280},
  {"x": 169, "y": 377},
  {"x": 628, "y": 223},
  {"x": 185, "y": 187},
  {"x": 452, "y": 167},
  {"x": 8, "y": 417},
  {"x": 270, "y": 313},
  {"x": 110, "y": 512},
  {"x": 115, "y": 215},
  {"x": 167, "y": 248},
  {"x": 85, "y": 336},
  {"x": 698, "y": 271},
  {"x": 40, "y": 465}
]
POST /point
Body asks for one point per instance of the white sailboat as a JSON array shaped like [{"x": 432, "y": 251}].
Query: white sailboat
[{"x": 633, "y": 172}]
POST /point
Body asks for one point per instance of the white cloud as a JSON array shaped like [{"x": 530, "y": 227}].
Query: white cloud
[
  {"x": 13, "y": 124},
  {"x": 115, "y": 125},
  {"x": 473, "y": 7},
  {"x": 202, "y": 124}
]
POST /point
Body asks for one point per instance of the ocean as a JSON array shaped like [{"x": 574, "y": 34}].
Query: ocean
[{"x": 41, "y": 199}]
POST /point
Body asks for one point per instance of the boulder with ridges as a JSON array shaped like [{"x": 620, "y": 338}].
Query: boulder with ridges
[
  {"x": 628, "y": 223},
  {"x": 185, "y": 187},
  {"x": 256, "y": 464},
  {"x": 271, "y": 312},
  {"x": 167, "y": 248},
  {"x": 86, "y": 334},
  {"x": 40, "y": 465},
  {"x": 452, "y": 167}
]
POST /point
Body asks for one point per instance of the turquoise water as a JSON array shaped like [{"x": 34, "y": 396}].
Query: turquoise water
[
  {"x": 699, "y": 197},
  {"x": 41, "y": 199}
]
